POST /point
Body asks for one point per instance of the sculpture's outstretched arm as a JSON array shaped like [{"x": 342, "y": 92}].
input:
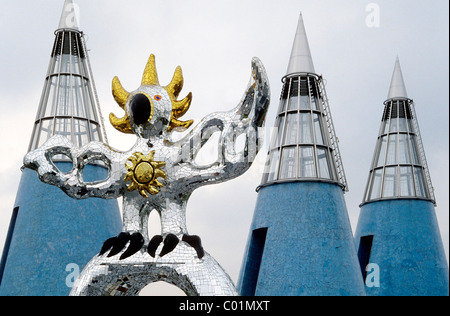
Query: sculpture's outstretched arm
[
  {"x": 247, "y": 119},
  {"x": 72, "y": 183}
]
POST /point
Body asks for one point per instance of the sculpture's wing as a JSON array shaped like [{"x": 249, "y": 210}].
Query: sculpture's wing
[{"x": 246, "y": 118}]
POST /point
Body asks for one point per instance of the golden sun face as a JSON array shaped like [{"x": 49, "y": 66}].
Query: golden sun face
[{"x": 143, "y": 173}]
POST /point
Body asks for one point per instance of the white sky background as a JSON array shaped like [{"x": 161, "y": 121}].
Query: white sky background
[{"x": 214, "y": 42}]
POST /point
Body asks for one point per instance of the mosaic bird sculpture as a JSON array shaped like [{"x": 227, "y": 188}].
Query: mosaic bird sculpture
[{"x": 157, "y": 174}]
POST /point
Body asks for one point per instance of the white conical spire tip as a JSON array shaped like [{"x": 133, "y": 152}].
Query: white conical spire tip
[
  {"x": 301, "y": 60},
  {"x": 69, "y": 16},
  {"x": 397, "y": 88}
]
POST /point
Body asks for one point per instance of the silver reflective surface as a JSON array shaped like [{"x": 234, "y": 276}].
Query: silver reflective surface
[{"x": 158, "y": 174}]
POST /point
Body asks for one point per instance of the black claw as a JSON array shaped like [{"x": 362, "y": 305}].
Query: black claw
[
  {"x": 196, "y": 243},
  {"x": 107, "y": 245},
  {"x": 153, "y": 245},
  {"x": 136, "y": 243},
  {"x": 119, "y": 243},
  {"x": 170, "y": 242}
]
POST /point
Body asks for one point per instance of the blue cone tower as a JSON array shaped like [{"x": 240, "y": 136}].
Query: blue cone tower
[
  {"x": 51, "y": 237},
  {"x": 398, "y": 240},
  {"x": 301, "y": 242}
]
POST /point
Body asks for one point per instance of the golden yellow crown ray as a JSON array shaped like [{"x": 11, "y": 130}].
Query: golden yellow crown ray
[{"x": 150, "y": 77}]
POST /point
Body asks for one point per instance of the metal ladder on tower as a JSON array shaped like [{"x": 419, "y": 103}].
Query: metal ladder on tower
[
  {"x": 94, "y": 89},
  {"x": 333, "y": 138},
  {"x": 423, "y": 159}
]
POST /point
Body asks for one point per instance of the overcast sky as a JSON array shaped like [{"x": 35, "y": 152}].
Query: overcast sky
[{"x": 214, "y": 42}]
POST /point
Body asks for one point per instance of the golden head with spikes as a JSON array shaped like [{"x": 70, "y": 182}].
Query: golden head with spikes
[{"x": 151, "y": 109}]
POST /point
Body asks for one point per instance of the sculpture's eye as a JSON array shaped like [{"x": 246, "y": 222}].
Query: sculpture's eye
[
  {"x": 157, "y": 97},
  {"x": 141, "y": 109}
]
